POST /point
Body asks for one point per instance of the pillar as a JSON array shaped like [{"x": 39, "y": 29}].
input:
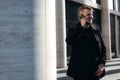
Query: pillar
[
  {"x": 116, "y": 29},
  {"x": 117, "y": 37},
  {"x": 45, "y": 40},
  {"x": 61, "y": 33},
  {"x": 105, "y": 17},
  {"x": 27, "y": 40}
]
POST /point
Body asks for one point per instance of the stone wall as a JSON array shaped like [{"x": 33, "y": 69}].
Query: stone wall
[{"x": 16, "y": 40}]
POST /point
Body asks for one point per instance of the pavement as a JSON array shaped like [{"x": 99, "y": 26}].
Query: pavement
[{"x": 112, "y": 71}]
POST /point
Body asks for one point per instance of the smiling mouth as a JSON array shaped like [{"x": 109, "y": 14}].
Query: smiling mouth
[{"x": 90, "y": 20}]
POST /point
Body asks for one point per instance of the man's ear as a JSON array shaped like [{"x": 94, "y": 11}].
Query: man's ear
[{"x": 82, "y": 16}]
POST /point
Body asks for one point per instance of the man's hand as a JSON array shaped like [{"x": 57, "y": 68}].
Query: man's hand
[
  {"x": 101, "y": 67},
  {"x": 83, "y": 22}
]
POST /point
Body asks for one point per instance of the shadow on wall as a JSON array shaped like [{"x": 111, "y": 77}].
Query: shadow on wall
[{"x": 17, "y": 40}]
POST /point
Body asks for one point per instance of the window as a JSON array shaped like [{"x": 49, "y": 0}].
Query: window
[
  {"x": 113, "y": 40},
  {"x": 119, "y": 34},
  {"x": 97, "y": 17},
  {"x": 98, "y": 1},
  {"x": 95, "y": 1}
]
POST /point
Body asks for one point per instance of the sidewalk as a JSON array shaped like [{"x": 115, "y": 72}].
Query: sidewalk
[{"x": 112, "y": 71}]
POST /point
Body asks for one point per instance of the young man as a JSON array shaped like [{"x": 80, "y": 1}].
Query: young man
[{"x": 88, "y": 50}]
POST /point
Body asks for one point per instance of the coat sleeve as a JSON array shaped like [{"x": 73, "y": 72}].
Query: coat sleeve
[
  {"x": 102, "y": 58},
  {"x": 73, "y": 35}
]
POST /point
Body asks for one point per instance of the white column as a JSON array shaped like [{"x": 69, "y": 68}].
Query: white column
[
  {"x": 45, "y": 40},
  {"x": 105, "y": 17},
  {"x": 61, "y": 33},
  {"x": 116, "y": 30}
]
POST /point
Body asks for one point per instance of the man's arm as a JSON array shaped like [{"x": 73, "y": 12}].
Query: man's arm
[
  {"x": 73, "y": 35},
  {"x": 103, "y": 52},
  {"x": 102, "y": 59}
]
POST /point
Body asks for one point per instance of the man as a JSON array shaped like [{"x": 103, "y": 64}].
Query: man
[{"x": 88, "y": 50}]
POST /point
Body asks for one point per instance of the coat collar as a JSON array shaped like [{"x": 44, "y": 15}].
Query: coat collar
[{"x": 94, "y": 27}]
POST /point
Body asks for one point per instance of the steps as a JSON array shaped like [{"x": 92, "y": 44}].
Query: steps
[{"x": 112, "y": 71}]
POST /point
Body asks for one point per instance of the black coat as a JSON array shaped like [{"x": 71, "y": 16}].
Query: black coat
[{"x": 88, "y": 51}]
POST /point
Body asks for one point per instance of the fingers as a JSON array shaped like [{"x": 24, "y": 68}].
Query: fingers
[{"x": 98, "y": 72}]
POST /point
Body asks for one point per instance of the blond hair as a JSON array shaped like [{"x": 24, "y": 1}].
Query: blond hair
[{"x": 80, "y": 9}]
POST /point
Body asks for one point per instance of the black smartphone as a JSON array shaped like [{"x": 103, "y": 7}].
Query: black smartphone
[{"x": 87, "y": 23}]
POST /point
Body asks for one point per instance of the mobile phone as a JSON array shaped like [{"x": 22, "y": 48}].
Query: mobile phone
[{"x": 87, "y": 23}]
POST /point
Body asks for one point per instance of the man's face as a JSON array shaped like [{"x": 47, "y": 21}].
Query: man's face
[{"x": 88, "y": 15}]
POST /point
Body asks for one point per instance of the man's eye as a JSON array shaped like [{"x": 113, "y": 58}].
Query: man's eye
[{"x": 89, "y": 14}]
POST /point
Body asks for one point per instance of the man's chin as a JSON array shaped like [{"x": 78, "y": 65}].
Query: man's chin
[{"x": 90, "y": 22}]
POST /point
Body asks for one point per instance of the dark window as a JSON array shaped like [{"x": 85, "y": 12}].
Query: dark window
[
  {"x": 97, "y": 18},
  {"x": 98, "y": 1},
  {"x": 113, "y": 40},
  {"x": 119, "y": 34}
]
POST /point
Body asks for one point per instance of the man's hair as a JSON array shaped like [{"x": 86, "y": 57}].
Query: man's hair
[{"x": 80, "y": 9}]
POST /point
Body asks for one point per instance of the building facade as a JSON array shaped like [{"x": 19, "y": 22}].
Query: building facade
[{"x": 33, "y": 32}]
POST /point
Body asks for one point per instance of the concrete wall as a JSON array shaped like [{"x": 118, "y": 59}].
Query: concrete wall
[
  {"x": 27, "y": 43},
  {"x": 16, "y": 40}
]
